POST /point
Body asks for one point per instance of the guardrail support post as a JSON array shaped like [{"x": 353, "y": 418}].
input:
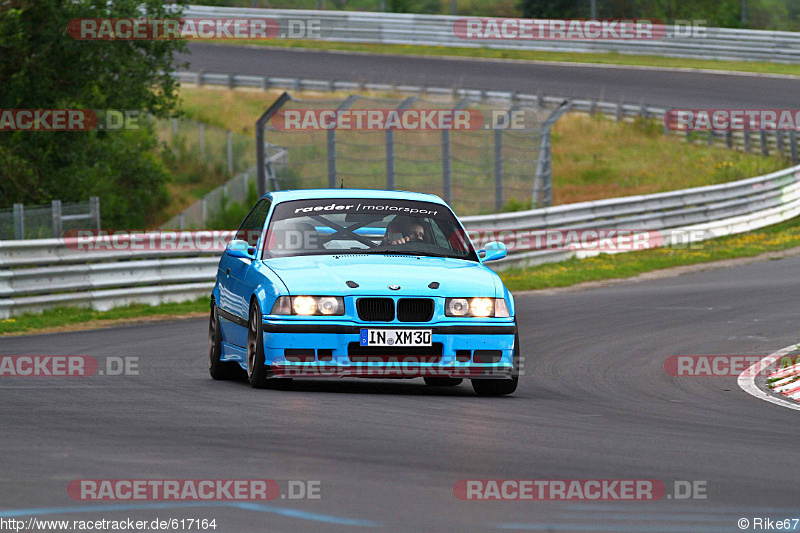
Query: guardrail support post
[
  {"x": 19, "y": 221},
  {"x": 56, "y": 209},
  {"x": 710, "y": 137},
  {"x": 779, "y": 141},
  {"x": 793, "y": 145},
  {"x": 94, "y": 209},
  {"x": 618, "y": 114},
  {"x": 763, "y": 140},
  {"x": 729, "y": 139},
  {"x": 747, "y": 145}
]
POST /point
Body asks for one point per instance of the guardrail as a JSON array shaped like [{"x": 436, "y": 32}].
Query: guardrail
[
  {"x": 46, "y": 273},
  {"x": 437, "y": 30}
]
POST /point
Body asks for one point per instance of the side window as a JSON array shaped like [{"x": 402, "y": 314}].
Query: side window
[{"x": 251, "y": 228}]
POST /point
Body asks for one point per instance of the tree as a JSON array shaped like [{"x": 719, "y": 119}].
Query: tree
[{"x": 43, "y": 67}]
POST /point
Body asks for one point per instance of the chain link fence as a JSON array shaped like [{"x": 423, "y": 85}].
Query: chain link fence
[
  {"x": 48, "y": 221},
  {"x": 483, "y": 168},
  {"x": 195, "y": 145}
]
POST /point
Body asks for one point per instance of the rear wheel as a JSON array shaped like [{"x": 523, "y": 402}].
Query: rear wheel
[
  {"x": 500, "y": 387},
  {"x": 219, "y": 369},
  {"x": 434, "y": 381}
]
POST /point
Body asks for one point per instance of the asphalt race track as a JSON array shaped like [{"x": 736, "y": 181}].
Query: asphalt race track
[
  {"x": 632, "y": 85},
  {"x": 595, "y": 403}
]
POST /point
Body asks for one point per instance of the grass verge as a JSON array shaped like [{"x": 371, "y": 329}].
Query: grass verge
[
  {"x": 609, "y": 58},
  {"x": 69, "y": 317},
  {"x": 626, "y": 265}
]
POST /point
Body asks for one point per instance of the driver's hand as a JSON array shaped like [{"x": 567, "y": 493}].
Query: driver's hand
[{"x": 402, "y": 240}]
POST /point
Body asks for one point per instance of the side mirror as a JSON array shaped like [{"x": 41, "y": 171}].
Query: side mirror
[
  {"x": 493, "y": 251},
  {"x": 241, "y": 249}
]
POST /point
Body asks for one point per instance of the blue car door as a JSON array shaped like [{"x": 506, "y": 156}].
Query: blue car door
[{"x": 234, "y": 293}]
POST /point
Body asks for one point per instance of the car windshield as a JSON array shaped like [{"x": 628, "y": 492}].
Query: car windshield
[{"x": 365, "y": 226}]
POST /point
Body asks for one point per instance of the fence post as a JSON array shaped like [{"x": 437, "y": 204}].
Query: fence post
[
  {"x": 230, "y": 151},
  {"x": 56, "y": 209},
  {"x": 729, "y": 139},
  {"x": 747, "y": 145},
  {"x": 779, "y": 141},
  {"x": 331, "y": 144},
  {"x": 543, "y": 180},
  {"x": 94, "y": 209},
  {"x": 793, "y": 145},
  {"x": 175, "y": 137},
  {"x": 390, "y": 174},
  {"x": 763, "y": 140},
  {"x": 261, "y": 156},
  {"x": 498, "y": 169},
  {"x": 19, "y": 221},
  {"x": 447, "y": 170},
  {"x": 202, "y": 138},
  {"x": 710, "y": 137},
  {"x": 447, "y": 160}
]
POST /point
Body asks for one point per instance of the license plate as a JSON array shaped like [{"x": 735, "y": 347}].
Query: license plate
[{"x": 395, "y": 337}]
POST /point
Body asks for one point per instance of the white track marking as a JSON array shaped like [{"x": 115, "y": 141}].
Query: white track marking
[{"x": 747, "y": 380}]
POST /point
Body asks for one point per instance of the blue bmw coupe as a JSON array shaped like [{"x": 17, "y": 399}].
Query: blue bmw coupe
[{"x": 361, "y": 283}]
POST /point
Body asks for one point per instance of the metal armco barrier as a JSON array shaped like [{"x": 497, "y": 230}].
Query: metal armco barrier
[
  {"x": 35, "y": 275},
  {"x": 437, "y": 30}
]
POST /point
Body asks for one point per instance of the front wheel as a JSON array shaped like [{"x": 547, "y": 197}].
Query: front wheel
[
  {"x": 500, "y": 387},
  {"x": 257, "y": 372}
]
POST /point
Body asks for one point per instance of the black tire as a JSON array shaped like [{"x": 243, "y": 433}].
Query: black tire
[
  {"x": 257, "y": 372},
  {"x": 500, "y": 387},
  {"x": 436, "y": 381},
  {"x": 223, "y": 370}
]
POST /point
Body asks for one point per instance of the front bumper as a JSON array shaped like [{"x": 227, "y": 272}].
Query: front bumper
[{"x": 313, "y": 349}]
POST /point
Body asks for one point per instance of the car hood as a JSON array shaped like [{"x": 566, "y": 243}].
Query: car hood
[{"x": 329, "y": 274}]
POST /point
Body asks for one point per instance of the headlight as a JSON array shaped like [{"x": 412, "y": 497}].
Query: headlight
[
  {"x": 476, "y": 307},
  {"x": 308, "y": 305}
]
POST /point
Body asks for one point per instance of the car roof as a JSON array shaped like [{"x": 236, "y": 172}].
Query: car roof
[{"x": 307, "y": 194}]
